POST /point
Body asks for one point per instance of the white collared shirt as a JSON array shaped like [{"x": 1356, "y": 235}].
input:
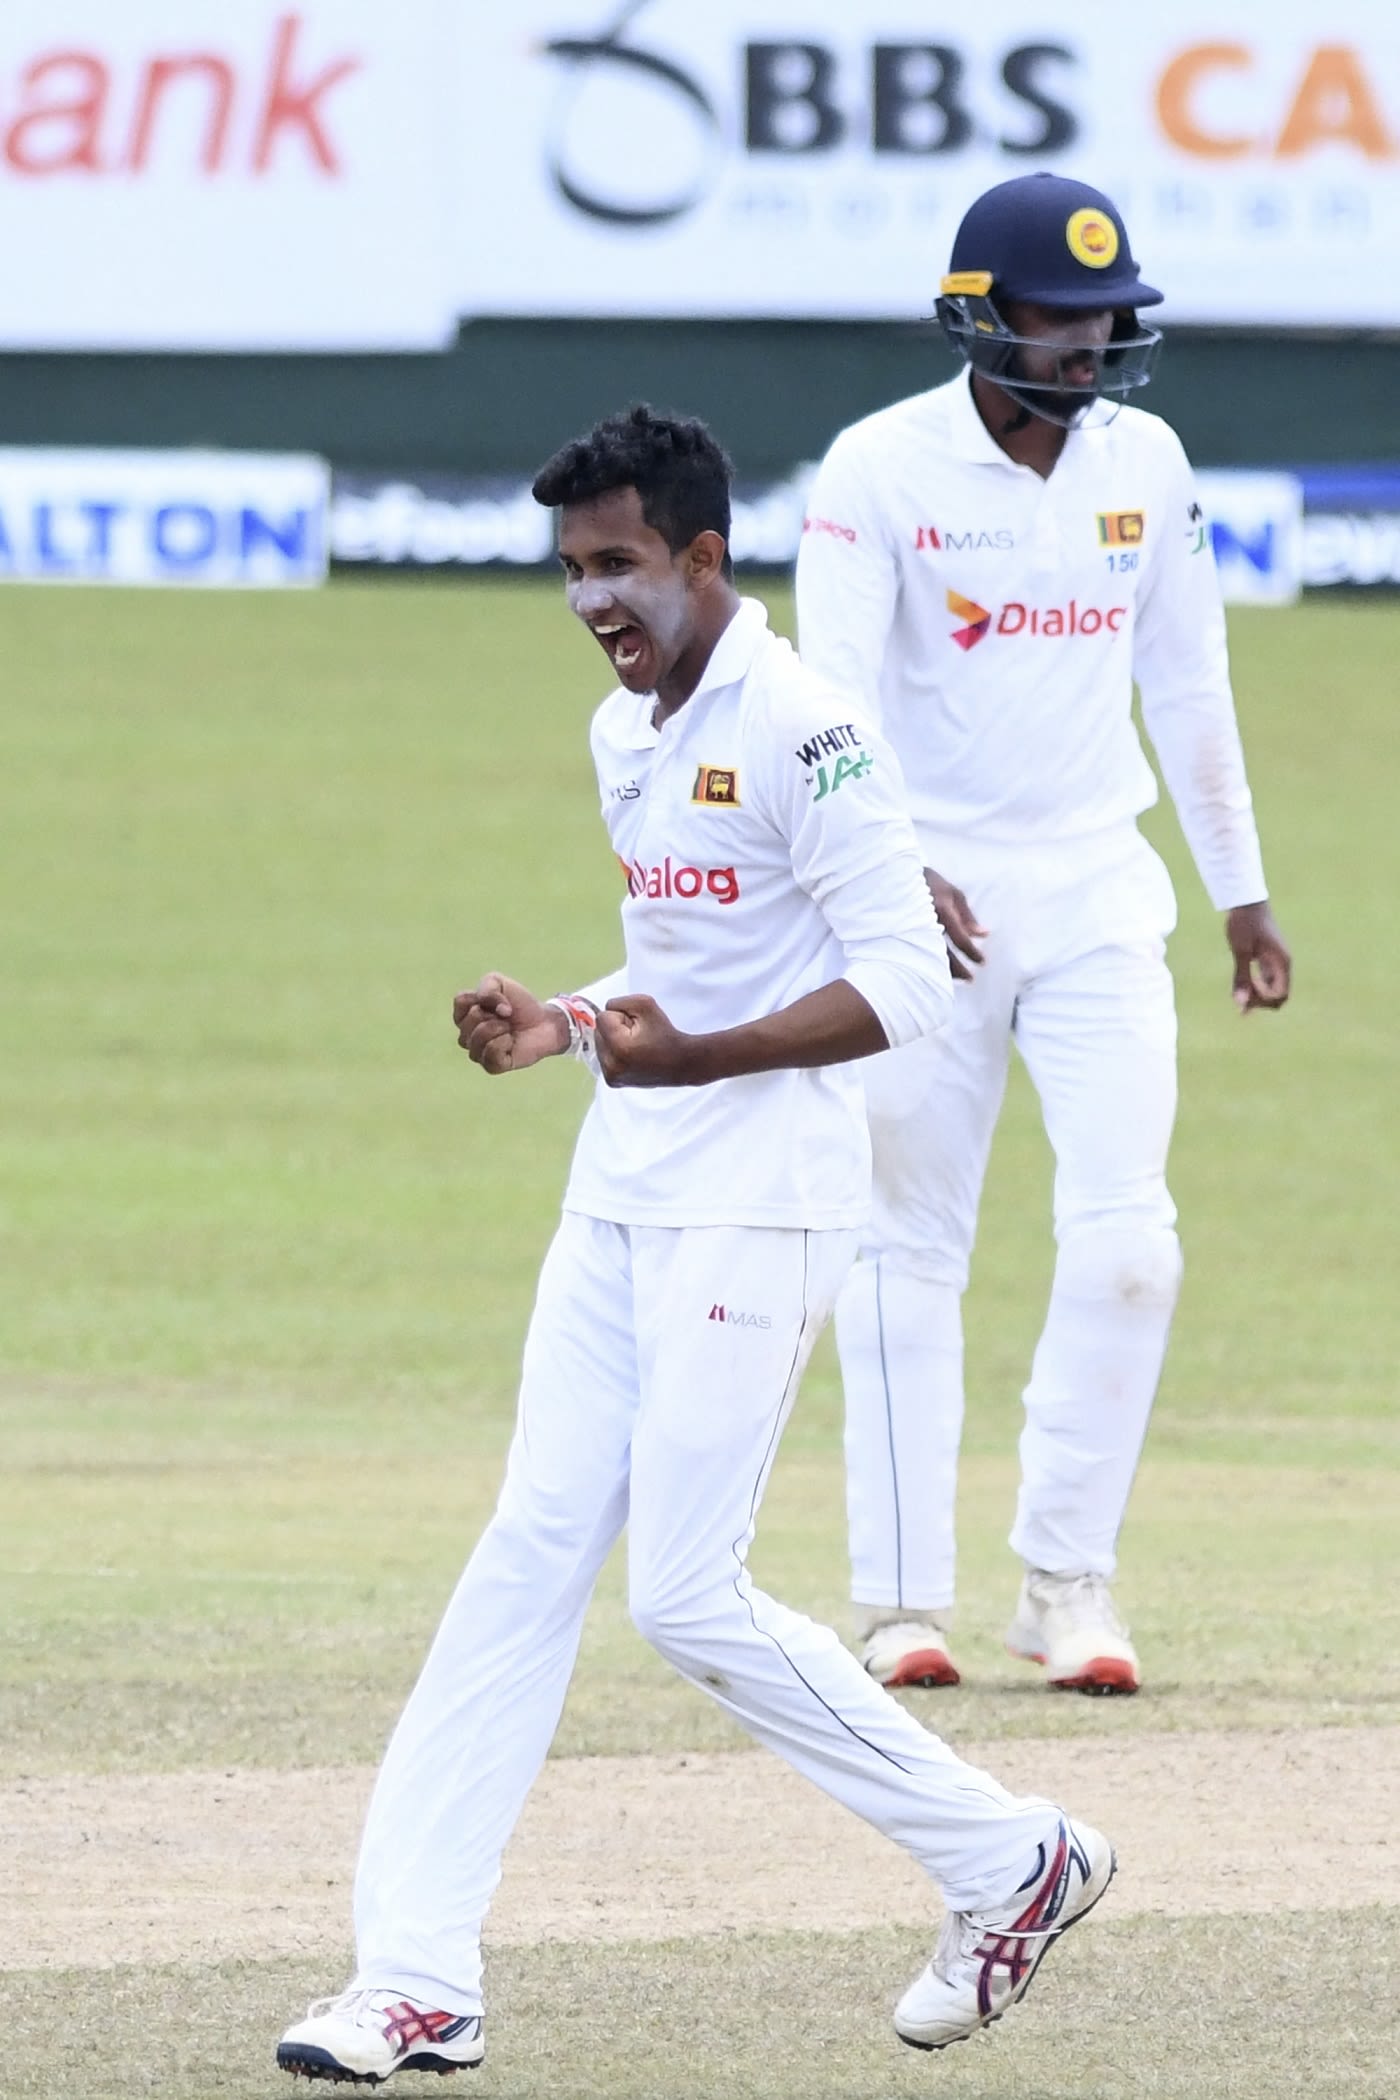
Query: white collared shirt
[
  {"x": 767, "y": 851},
  {"x": 994, "y": 622}
]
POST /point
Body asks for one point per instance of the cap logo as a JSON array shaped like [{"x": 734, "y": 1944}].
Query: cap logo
[
  {"x": 966, "y": 284},
  {"x": 1092, "y": 239}
]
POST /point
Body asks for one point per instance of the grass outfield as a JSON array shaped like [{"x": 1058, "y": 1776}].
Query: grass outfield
[
  {"x": 269, "y": 1243},
  {"x": 795, "y": 2017}
]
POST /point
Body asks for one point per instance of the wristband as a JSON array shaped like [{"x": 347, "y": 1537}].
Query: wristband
[{"x": 582, "y": 1017}]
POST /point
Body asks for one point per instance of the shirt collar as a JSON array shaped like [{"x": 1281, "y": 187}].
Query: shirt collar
[
  {"x": 734, "y": 652},
  {"x": 968, "y": 436},
  {"x": 970, "y": 439},
  {"x": 731, "y": 659}
]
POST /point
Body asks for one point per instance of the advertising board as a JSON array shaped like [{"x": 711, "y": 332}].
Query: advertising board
[
  {"x": 338, "y": 175},
  {"x": 1351, "y": 527},
  {"x": 246, "y": 519},
  {"x": 188, "y": 175},
  {"x": 810, "y": 158},
  {"x": 445, "y": 522}
]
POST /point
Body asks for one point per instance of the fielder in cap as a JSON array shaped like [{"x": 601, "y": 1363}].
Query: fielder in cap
[{"x": 992, "y": 564}]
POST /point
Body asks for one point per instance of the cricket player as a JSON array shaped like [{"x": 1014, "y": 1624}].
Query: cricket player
[
  {"x": 776, "y": 926},
  {"x": 992, "y": 564}
]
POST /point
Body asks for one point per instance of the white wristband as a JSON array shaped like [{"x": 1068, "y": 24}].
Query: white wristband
[{"x": 582, "y": 1017}]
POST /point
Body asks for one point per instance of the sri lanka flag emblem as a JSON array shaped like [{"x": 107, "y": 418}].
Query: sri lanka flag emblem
[
  {"x": 1121, "y": 528},
  {"x": 717, "y": 785}
]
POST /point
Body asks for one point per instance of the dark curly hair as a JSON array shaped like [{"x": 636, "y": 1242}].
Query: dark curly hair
[{"x": 677, "y": 467}]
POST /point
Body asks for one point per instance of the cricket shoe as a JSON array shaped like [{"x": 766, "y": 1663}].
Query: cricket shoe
[
  {"x": 363, "y": 2037},
  {"x": 985, "y": 1959},
  {"x": 899, "y": 1652},
  {"x": 1068, "y": 1623}
]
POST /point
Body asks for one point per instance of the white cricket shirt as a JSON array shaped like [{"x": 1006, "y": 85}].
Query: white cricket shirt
[
  {"x": 767, "y": 850},
  {"x": 994, "y": 622}
]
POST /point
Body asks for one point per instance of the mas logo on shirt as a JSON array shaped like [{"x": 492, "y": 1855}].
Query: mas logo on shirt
[
  {"x": 936, "y": 539},
  {"x": 975, "y": 618},
  {"x": 1121, "y": 528},
  {"x": 730, "y": 1316},
  {"x": 718, "y": 786},
  {"x": 1197, "y": 531}
]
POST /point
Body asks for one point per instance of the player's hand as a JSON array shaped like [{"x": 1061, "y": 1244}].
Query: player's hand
[
  {"x": 959, "y": 923},
  {"x": 504, "y": 1028},
  {"x": 1263, "y": 965},
  {"x": 638, "y": 1046}
]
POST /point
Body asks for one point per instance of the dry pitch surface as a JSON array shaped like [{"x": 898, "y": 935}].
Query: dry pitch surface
[
  {"x": 209, "y": 1866},
  {"x": 160, "y": 1928}
]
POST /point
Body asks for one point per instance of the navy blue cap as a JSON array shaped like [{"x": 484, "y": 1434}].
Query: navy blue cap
[{"x": 1049, "y": 240}]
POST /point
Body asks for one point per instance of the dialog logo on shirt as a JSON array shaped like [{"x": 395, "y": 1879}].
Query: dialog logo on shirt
[
  {"x": 976, "y": 619},
  {"x": 1013, "y": 618},
  {"x": 1073, "y": 618},
  {"x": 831, "y": 526},
  {"x": 670, "y": 878},
  {"x": 718, "y": 786},
  {"x": 1121, "y": 528}
]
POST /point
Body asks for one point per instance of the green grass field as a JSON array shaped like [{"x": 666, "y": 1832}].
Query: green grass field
[{"x": 269, "y": 1244}]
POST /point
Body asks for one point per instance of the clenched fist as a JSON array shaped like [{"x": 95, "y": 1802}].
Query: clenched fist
[
  {"x": 505, "y": 1028},
  {"x": 638, "y": 1046}
]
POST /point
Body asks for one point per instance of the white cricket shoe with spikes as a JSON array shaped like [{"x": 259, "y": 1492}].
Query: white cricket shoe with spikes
[
  {"x": 985, "y": 1960},
  {"x": 364, "y": 2037},
  {"x": 1068, "y": 1622},
  {"x": 901, "y": 1650}
]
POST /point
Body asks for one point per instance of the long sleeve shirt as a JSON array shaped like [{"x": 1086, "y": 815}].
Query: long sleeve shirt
[
  {"x": 767, "y": 851},
  {"x": 994, "y": 621}
]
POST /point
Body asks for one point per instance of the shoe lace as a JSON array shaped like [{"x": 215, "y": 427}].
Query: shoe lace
[
  {"x": 974, "y": 1950},
  {"x": 963, "y": 1942},
  {"x": 354, "y": 2004},
  {"x": 1085, "y": 1600}
]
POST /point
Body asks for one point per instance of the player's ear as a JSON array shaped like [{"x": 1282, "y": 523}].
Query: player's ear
[{"x": 705, "y": 558}]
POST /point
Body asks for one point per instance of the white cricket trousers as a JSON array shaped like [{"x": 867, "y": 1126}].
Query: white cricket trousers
[
  {"x": 1075, "y": 974},
  {"x": 660, "y": 1368}
]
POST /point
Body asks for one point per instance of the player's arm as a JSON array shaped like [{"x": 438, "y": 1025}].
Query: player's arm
[
  {"x": 1181, "y": 663},
  {"x": 504, "y": 1027},
  {"x": 854, "y": 853},
  {"x": 847, "y": 588},
  {"x": 847, "y": 580},
  {"x": 639, "y": 1046}
]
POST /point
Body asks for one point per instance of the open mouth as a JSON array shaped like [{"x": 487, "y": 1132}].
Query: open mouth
[{"x": 624, "y": 642}]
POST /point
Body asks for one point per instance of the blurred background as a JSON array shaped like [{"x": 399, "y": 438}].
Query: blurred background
[{"x": 416, "y": 247}]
